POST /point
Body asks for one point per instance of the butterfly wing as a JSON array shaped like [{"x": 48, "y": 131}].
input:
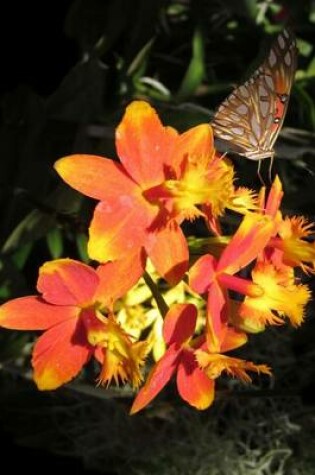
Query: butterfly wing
[{"x": 250, "y": 118}]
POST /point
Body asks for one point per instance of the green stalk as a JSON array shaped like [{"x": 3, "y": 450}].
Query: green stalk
[{"x": 160, "y": 302}]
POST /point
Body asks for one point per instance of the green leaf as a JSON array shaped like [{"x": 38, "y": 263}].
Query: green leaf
[
  {"x": 21, "y": 255},
  {"x": 311, "y": 68},
  {"x": 152, "y": 88},
  {"x": 34, "y": 226},
  {"x": 138, "y": 65},
  {"x": 196, "y": 70},
  {"x": 54, "y": 240},
  {"x": 305, "y": 48},
  {"x": 81, "y": 242}
]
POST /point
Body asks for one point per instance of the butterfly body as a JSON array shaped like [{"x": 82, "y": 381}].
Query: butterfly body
[{"x": 250, "y": 118}]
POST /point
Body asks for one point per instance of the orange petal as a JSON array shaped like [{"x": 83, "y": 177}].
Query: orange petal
[
  {"x": 157, "y": 379},
  {"x": 274, "y": 198},
  {"x": 179, "y": 323},
  {"x": 196, "y": 143},
  {"x": 94, "y": 176},
  {"x": 249, "y": 240},
  {"x": 59, "y": 354},
  {"x": 201, "y": 274},
  {"x": 261, "y": 198},
  {"x": 143, "y": 144},
  {"x": 116, "y": 278},
  {"x": 168, "y": 252},
  {"x": 216, "y": 316},
  {"x": 212, "y": 221},
  {"x": 240, "y": 285},
  {"x": 33, "y": 313},
  {"x": 118, "y": 229},
  {"x": 232, "y": 339},
  {"x": 67, "y": 282},
  {"x": 192, "y": 383}
]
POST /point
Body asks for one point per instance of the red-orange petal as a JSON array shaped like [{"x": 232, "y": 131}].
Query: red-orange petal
[
  {"x": 33, "y": 313},
  {"x": 67, "y": 282},
  {"x": 232, "y": 339},
  {"x": 143, "y": 144},
  {"x": 192, "y": 383},
  {"x": 212, "y": 221},
  {"x": 59, "y": 354},
  {"x": 196, "y": 143},
  {"x": 249, "y": 240},
  {"x": 201, "y": 274},
  {"x": 95, "y": 176},
  {"x": 179, "y": 323},
  {"x": 216, "y": 316},
  {"x": 116, "y": 278},
  {"x": 157, "y": 379},
  {"x": 274, "y": 198},
  {"x": 240, "y": 285},
  {"x": 118, "y": 229},
  {"x": 168, "y": 252}
]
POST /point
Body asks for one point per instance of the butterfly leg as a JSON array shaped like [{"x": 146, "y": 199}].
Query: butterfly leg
[
  {"x": 258, "y": 173},
  {"x": 270, "y": 168}
]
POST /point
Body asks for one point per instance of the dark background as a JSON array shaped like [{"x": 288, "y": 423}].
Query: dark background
[{"x": 35, "y": 51}]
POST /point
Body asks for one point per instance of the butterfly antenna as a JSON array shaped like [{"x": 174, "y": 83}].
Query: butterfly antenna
[{"x": 258, "y": 173}]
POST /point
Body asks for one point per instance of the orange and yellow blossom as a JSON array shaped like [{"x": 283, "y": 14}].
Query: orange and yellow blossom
[
  {"x": 272, "y": 294},
  {"x": 213, "y": 277},
  {"x": 221, "y": 338},
  {"x": 74, "y": 309},
  {"x": 214, "y": 364},
  {"x": 196, "y": 363},
  {"x": 291, "y": 233},
  {"x": 137, "y": 311},
  {"x": 281, "y": 297},
  {"x": 120, "y": 357},
  {"x": 192, "y": 383},
  {"x": 163, "y": 178},
  {"x": 297, "y": 252}
]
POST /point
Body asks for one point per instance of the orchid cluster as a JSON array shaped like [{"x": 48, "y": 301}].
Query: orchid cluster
[{"x": 135, "y": 238}]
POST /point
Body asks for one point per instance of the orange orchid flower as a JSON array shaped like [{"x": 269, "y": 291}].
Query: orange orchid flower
[
  {"x": 293, "y": 234},
  {"x": 74, "y": 309},
  {"x": 292, "y": 237},
  {"x": 196, "y": 365},
  {"x": 163, "y": 178},
  {"x": 251, "y": 238},
  {"x": 273, "y": 272},
  {"x": 272, "y": 293},
  {"x": 212, "y": 276},
  {"x": 280, "y": 296},
  {"x": 192, "y": 383},
  {"x": 222, "y": 338}
]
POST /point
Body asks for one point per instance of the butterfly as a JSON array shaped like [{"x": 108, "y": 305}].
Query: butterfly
[{"x": 251, "y": 117}]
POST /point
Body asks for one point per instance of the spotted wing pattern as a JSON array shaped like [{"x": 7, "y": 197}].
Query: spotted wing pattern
[{"x": 251, "y": 117}]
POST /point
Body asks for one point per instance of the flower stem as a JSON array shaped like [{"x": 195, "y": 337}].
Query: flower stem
[{"x": 160, "y": 302}]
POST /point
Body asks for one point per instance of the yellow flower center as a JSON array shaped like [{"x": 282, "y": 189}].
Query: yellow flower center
[{"x": 209, "y": 185}]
